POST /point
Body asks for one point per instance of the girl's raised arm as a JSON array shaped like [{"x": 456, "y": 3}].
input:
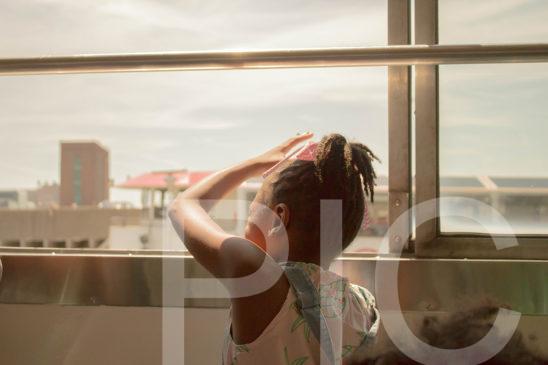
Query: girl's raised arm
[{"x": 222, "y": 254}]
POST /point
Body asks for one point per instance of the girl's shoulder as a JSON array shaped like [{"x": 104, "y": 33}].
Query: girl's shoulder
[
  {"x": 337, "y": 294},
  {"x": 330, "y": 281}
]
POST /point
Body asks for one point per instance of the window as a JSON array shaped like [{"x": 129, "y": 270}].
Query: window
[
  {"x": 492, "y": 145},
  {"x": 146, "y": 136},
  {"x": 191, "y": 124},
  {"x": 142, "y": 131},
  {"x": 465, "y": 115}
]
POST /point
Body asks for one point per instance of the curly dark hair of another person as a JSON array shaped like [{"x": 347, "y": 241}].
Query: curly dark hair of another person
[
  {"x": 341, "y": 170},
  {"x": 458, "y": 330}
]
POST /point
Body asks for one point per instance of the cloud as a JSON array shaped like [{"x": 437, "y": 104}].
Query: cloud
[
  {"x": 493, "y": 21},
  {"x": 33, "y": 27}
]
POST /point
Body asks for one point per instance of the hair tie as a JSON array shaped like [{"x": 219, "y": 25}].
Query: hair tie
[{"x": 306, "y": 153}]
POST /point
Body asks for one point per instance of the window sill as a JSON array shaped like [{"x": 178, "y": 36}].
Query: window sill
[{"x": 118, "y": 279}]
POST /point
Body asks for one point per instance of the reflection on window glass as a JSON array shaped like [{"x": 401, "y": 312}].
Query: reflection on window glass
[
  {"x": 92, "y": 160},
  {"x": 65, "y": 27},
  {"x": 493, "y": 21},
  {"x": 493, "y": 128}
]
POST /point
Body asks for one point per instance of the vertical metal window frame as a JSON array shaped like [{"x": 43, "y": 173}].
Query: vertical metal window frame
[
  {"x": 399, "y": 121},
  {"x": 426, "y": 124},
  {"x": 430, "y": 242}
]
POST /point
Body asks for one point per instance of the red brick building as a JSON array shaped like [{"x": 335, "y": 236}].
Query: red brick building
[{"x": 84, "y": 173}]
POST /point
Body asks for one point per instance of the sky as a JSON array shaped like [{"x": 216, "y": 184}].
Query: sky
[{"x": 493, "y": 118}]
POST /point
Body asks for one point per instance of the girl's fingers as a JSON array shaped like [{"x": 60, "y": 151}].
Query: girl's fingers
[{"x": 293, "y": 141}]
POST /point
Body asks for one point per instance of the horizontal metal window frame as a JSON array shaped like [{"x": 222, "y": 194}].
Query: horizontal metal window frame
[
  {"x": 106, "y": 253},
  {"x": 430, "y": 241},
  {"x": 404, "y": 55},
  {"x": 481, "y": 246}
]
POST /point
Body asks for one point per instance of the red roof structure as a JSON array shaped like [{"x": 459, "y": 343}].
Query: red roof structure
[
  {"x": 195, "y": 176},
  {"x": 161, "y": 180}
]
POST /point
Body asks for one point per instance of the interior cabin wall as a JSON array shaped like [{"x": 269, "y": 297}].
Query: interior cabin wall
[{"x": 53, "y": 334}]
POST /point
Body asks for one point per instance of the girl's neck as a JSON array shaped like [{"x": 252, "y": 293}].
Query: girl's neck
[{"x": 299, "y": 252}]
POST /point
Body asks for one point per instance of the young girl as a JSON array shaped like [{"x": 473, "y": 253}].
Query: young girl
[{"x": 287, "y": 308}]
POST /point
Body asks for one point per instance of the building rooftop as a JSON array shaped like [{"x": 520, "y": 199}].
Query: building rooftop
[
  {"x": 160, "y": 180},
  {"x": 83, "y": 142},
  {"x": 521, "y": 182},
  {"x": 184, "y": 178}
]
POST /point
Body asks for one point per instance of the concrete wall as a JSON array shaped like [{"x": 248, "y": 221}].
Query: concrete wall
[
  {"x": 52, "y": 334},
  {"x": 63, "y": 224}
]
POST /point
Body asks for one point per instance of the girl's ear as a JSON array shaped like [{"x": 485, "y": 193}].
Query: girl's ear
[
  {"x": 282, "y": 212},
  {"x": 281, "y": 220}
]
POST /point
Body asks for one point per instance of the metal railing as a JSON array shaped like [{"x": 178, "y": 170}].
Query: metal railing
[{"x": 329, "y": 57}]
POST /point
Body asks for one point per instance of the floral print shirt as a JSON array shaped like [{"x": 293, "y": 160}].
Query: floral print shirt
[{"x": 349, "y": 311}]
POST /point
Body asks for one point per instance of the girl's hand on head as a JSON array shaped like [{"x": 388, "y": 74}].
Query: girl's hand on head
[{"x": 278, "y": 153}]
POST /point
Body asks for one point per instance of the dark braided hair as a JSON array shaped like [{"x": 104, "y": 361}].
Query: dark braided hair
[{"x": 341, "y": 170}]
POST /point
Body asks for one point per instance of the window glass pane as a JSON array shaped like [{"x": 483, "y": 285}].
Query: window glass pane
[
  {"x": 493, "y": 21},
  {"x": 116, "y": 141},
  {"x": 493, "y": 129},
  {"x": 65, "y": 27}
]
